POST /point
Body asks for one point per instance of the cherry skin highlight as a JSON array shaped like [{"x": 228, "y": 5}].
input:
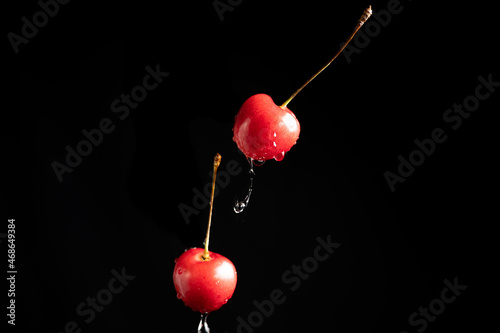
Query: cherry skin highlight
[
  {"x": 263, "y": 130},
  {"x": 204, "y": 285}
]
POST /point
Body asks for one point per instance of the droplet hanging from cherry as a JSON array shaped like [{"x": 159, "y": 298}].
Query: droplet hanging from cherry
[
  {"x": 263, "y": 130},
  {"x": 240, "y": 205}
]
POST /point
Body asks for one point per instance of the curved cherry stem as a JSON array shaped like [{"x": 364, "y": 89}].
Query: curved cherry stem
[{"x": 366, "y": 14}]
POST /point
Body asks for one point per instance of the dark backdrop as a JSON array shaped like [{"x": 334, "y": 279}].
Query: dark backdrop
[{"x": 118, "y": 210}]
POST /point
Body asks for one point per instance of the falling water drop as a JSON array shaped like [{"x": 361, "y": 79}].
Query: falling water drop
[
  {"x": 203, "y": 325},
  {"x": 239, "y": 206}
]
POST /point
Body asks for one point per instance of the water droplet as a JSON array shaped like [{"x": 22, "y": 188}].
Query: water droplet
[
  {"x": 203, "y": 325},
  {"x": 280, "y": 156},
  {"x": 225, "y": 301},
  {"x": 175, "y": 260},
  {"x": 179, "y": 296},
  {"x": 239, "y": 206},
  {"x": 179, "y": 271},
  {"x": 258, "y": 163},
  {"x": 250, "y": 161}
]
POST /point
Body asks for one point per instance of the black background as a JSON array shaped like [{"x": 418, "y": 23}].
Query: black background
[{"x": 120, "y": 207}]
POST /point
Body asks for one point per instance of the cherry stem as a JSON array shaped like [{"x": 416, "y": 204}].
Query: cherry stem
[
  {"x": 217, "y": 160},
  {"x": 366, "y": 14}
]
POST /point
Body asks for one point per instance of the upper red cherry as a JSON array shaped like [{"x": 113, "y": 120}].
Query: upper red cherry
[
  {"x": 263, "y": 130},
  {"x": 204, "y": 284}
]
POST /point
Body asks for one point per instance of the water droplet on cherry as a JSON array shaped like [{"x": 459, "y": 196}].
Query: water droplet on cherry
[
  {"x": 280, "y": 156},
  {"x": 179, "y": 296},
  {"x": 258, "y": 163}
]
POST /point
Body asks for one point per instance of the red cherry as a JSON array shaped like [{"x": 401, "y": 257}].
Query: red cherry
[
  {"x": 263, "y": 130},
  {"x": 204, "y": 284}
]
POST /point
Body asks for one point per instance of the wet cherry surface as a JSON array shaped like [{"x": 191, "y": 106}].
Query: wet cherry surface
[
  {"x": 204, "y": 285},
  {"x": 263, "y": 130}
]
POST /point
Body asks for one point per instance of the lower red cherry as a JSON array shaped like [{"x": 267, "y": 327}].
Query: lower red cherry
[
  {"x": 263, "y": 130},
  {"x": 204, "y": 285}
]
